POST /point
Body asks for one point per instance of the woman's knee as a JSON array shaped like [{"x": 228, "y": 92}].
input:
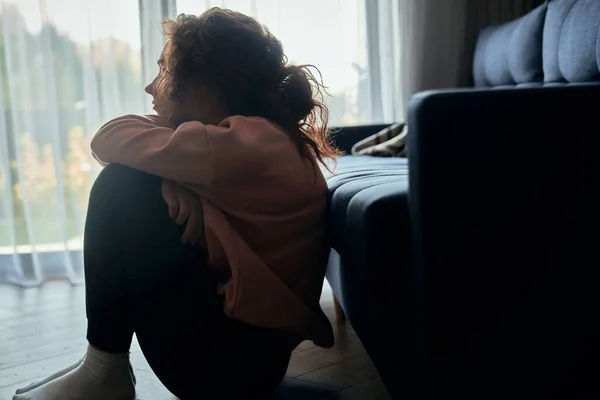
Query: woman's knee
[
  {"x": 125, "y": 177},
  {"x": 125, "y": 185},
  {"x": 128, "y": 204}
]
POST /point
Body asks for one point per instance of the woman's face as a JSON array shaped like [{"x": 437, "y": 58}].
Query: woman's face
[
  {"x": 193, "y": 104},
  {"x": 170, "y": 109}
]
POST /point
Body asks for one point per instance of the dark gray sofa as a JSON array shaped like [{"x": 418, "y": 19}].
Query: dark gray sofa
[{"x": 479, "y": 282}]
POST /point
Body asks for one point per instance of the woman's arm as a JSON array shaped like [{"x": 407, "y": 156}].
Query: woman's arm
[{"x": 152, "y": 145}]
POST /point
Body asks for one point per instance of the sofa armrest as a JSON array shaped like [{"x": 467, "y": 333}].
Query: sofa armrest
[
  {"x": 502, "y": 242},
  {"x": 344, "y": 138}
]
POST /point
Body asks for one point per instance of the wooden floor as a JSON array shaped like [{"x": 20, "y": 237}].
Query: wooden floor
[{"x": 43, "y": 330}]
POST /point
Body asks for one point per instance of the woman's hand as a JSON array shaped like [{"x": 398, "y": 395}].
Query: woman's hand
[{"x": 184, "y": 206}]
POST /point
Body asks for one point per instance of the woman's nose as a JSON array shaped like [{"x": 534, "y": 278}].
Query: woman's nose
[{"x": 150, "y": 88}]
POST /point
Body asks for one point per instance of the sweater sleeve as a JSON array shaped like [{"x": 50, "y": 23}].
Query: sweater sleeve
[{"x": 150, "y": 144}]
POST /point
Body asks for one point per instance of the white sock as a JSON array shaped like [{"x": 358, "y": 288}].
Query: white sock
[
  {"x": 60, "y": 373},
  {"x": 50, "y": 378},
  {"x": 100, "y": 376}
]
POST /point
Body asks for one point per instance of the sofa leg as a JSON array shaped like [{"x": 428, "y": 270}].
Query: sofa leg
[{"x": 340, "y": 315}]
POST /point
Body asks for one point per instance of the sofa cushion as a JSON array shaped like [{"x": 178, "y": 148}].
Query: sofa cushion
[
  {"x": 571, "y": 50},
  {"x": 510, "y": 53},
  {"x": 365, "y": 191}
]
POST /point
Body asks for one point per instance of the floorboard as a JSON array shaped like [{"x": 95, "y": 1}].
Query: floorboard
[{"x": 43, "y": 330}]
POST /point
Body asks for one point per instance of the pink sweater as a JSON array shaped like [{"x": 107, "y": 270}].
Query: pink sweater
[{"x": 264, "y": 210}]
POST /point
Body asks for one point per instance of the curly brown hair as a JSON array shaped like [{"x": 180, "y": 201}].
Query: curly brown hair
[{"x": 242, "y": 61}]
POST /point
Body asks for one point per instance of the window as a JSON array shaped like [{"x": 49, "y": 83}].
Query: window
[{"x": 67, "y": 66}]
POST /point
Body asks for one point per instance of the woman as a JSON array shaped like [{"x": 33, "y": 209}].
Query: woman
[{"x": 220, "y": 297}]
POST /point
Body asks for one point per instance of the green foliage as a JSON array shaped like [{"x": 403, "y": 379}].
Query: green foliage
[{"x": 32, "y": 90}]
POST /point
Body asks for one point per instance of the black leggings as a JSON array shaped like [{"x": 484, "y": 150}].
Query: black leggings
[{"x": 140, "y": 278}]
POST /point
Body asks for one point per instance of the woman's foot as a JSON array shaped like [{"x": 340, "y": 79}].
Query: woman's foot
[
  {"x": 99, "y": 376},
  {"x": 49, "y": 378},
  {"x": 60, "y": 373}
]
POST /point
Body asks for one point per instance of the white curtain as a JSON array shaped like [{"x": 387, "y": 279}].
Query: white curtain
[
  {"x": 385, "y": 34},
  {"x": 67, "y": 66}
]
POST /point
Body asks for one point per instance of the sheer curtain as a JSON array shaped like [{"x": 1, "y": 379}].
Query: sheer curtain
[{"x": 67, "y": 66}]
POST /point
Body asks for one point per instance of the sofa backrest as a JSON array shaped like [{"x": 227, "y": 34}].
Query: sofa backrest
[{"x": 557, "y": 43}]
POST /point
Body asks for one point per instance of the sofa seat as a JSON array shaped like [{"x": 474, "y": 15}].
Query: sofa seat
[
  {"x": 370, "y": 230},
  {"x": 364, "y": 186}
]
